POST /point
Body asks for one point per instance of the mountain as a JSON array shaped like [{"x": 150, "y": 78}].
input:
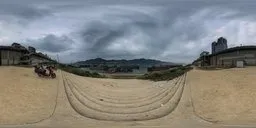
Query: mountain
[{"x": 140, "y": 62}]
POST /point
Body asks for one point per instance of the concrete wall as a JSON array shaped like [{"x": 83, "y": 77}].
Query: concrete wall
[
  {"x": 10, "y": 57},
  {"x": 229, "y": 59}
]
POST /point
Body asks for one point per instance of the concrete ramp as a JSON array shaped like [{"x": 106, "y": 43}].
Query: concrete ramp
[{"x": 92, "y": 98}]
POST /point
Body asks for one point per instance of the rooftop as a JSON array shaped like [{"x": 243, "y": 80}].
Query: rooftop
[
  {"x": 23, "y": 49},
  {"x": 13, "y": 48}
]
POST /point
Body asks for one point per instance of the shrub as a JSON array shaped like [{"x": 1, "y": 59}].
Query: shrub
[
  {"x": 81, "y": 72},
  {"x": 166, "y": 75}
]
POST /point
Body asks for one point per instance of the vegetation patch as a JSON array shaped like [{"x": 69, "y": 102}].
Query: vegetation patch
[
  {"x": 154, "y": 76},
  {"x": 166, "y": 75},
  {"x": 80, "y": 72},
  {"x": 123, "y": 76}
]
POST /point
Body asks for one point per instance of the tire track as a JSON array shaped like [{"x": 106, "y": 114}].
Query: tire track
[{"x": 157, "y": 113}]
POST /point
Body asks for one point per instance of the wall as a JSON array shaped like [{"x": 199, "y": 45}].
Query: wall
[
  {"x": 10, "y": 57},
  {"x": 229, "y": 59},
  {"x": 4, "y": 56}
]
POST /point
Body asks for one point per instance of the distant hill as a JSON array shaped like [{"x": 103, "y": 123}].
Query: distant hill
[{"x": 140, "y": 62}]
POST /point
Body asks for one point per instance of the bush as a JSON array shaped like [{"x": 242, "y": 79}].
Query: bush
[
  {"x": 80, "y": 72},
  {"x": 166, "y": 75}
]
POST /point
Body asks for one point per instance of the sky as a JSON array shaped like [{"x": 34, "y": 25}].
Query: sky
[{"x": 168, "y": 30}]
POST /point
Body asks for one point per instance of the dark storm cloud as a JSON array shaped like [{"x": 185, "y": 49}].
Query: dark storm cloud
[
  {"x": 99, "y": 35},
  {"x": 174, "y": 30},
  {"x": 52, "y": 43},
  {"x": 159, "y": 30},
  {"x": 23, "y": 11}
]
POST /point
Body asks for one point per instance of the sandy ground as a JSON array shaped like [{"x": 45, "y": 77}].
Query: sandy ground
[
  {"x": 24, "y": 97},
  {"x": 225, "y": 96},
  {"x": 111, "y": 103}
]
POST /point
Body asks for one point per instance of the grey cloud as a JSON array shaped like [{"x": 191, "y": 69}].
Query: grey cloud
[
  {"x": 27, "y": 12},
  {"x": 99, "y": 35},
  {"x": 165, "y": 29},
  {"x": 157, "y": 28},
  {"x": 52, "y": 43}
]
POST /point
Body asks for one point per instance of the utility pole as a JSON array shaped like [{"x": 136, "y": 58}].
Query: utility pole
[
  {"x": 58, "y": 61},
  {"x": 58, "y": 58}
]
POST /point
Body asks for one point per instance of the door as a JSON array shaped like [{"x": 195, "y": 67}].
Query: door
[{"x": 240, "y": 64}]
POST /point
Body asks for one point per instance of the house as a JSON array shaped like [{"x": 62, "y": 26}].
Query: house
[
  {"x": 17, "y": 54},
  {"x": 10, "y": 55}
]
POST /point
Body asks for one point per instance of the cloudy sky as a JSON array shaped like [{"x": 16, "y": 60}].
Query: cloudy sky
[{"x": 169, "y": 30}]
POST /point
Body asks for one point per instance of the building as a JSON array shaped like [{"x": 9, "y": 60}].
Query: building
[
  {"x": 231, "y": 56},
  {"x": 204, "y": 53},
  {"x": 228, "y": 57},
  {"x": 18, "y": 46},
  {"x": 10, "y": 55},
  {"x": 34, "y": 59},
  {"x": 220, "y": 45},
  {"x": 31, "y": 49},
  {"x": 213, "y": 46},
  {"x": 17, "y": 54},
  {"x": 140, "y": 70}
]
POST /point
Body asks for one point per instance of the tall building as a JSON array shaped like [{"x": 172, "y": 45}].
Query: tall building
[
  {"x": 213, "y": 46},
  {"x": 220, "y": 45}
]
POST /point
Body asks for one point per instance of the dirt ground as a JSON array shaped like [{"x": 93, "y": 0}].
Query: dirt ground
[
  {"x": 224, "y": 96},
  {"x": 122, "y": 100},
  {"x": 24, "y": 97}
]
